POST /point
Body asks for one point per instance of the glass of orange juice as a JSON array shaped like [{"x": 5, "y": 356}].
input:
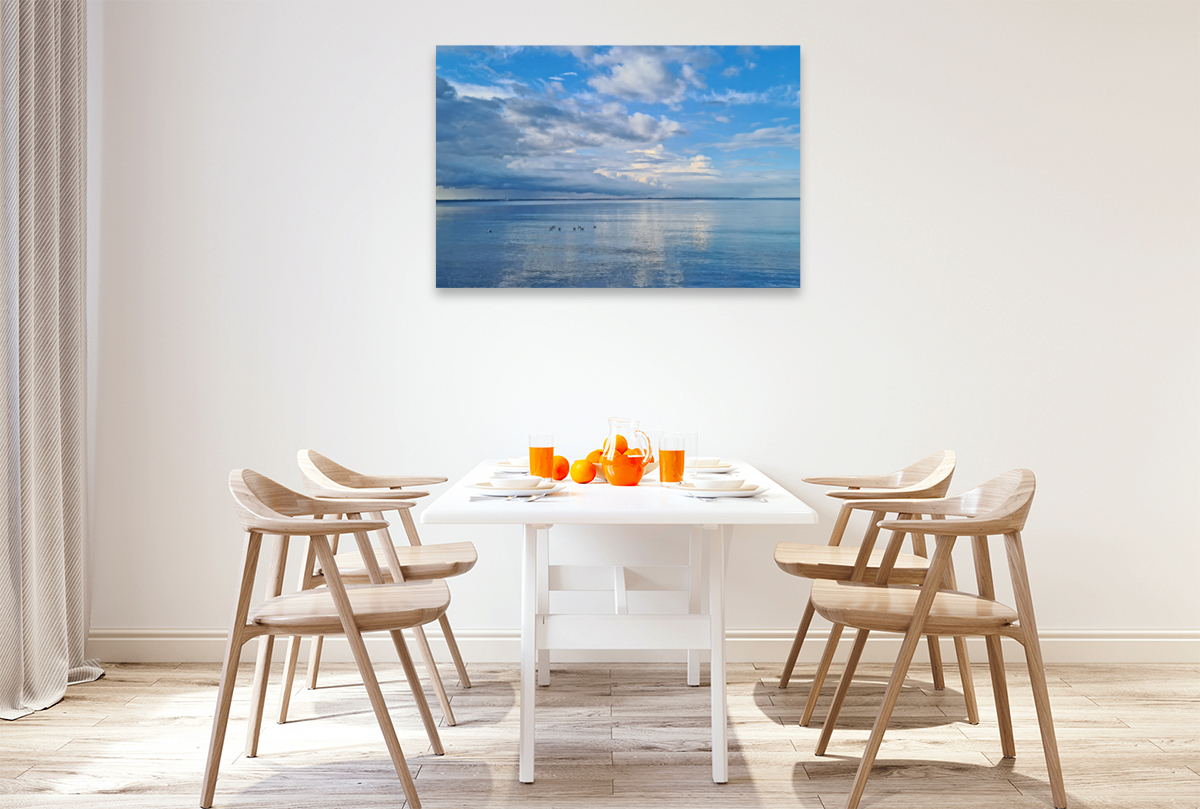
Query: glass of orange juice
[
  {"x": 671, "y": 448},
  {"x": 541, "y": 455}
]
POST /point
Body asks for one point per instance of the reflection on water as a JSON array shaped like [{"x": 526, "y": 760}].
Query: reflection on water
[{"x": 619, "y": 243}]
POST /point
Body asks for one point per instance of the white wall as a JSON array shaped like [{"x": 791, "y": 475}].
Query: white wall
[{"x": 1000, "y": 256}]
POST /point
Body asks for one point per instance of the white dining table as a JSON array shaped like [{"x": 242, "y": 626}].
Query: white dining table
[{"x": 649, "y": 503}]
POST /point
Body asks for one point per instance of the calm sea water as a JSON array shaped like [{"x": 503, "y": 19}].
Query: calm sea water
[{"x": 619, "y": 243}]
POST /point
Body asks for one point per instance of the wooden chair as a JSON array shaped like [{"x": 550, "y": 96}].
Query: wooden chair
[
  {"x": 405, "y": 563},
  {"x": 264, "y": 507},
  {"x": 928, "y": 477},
  {"x": 998, "y": 507}
]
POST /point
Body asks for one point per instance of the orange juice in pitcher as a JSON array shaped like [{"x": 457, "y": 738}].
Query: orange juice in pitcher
[{"x": 628, "y": 453}]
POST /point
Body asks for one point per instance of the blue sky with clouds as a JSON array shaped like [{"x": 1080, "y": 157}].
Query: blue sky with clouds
[{"x": 516, "y": 122}]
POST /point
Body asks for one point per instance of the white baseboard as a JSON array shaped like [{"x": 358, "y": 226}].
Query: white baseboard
[{"x": 742, "y": 646}]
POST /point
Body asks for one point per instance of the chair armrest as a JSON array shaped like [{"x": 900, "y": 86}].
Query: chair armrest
[
  {"x": 348, "y": 505},
  {"x": 309, "y": 528},
  {"x": 949, "y": 528},
  {"x": 915, "y": 505},
  {"x": 397, "y": 481},
  {"x": 360, "y": 494},
  {"x": 855, "y": 481},
  {"x": 879, "y": 494}
]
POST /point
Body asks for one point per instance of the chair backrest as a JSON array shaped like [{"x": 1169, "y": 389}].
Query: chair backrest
[
  {"x": 324, "y": 477},
  {"x": 322, "y": 473},
  {"x": 928, "y": 477},
  {"x": 999, "y": 506},
  {"x": 935, "y": 468},
  {"x": 1003, "y": 501},
  {"x": 266, "y": 507},
  {"x": 260, "y": 500}
]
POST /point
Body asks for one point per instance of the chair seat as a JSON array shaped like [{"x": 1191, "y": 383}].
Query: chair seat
[
  {"x": 417, "y": 562},
  {"x": 889, "y": 608},
  {"x": 376, "y": 607},
  {"x": 837, "y": 563}
]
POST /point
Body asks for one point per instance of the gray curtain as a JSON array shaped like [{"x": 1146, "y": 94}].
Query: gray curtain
[{"x": 43, "y": 496}]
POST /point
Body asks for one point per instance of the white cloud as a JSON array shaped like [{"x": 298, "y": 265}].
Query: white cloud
[
  {"x": 659, "y": 167},
  {"x": 722, "y": 118},
  {"x": 480, "y": 91},
  {"x": 733, "y": 97},
  {"x": 772, "y": 136},
  {"x": 644, "y": 74},
  {"x": 731, "y": 71}
]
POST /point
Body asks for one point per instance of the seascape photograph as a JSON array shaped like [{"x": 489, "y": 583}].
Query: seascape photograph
[{"x": 618, "y": 167}]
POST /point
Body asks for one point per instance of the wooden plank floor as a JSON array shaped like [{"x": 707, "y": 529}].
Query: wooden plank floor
[{"x": 610, "y": 736}]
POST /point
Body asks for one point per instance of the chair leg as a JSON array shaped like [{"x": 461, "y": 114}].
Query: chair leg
[
  {"x": 374, "y": 693},
  {"x": 464, "y": 679},
  {"x": 1008, "y": 742},
  {"x": 414, "y": 684},
  {"x": 220, "y": 722},
  {"x": 435, "y": 677},
  {"x": 233, "y": 651},
  {"x": 314, "y": 661},
  {"x": 935, "y": 662},
  {"x": 895, "y": 685},
  {"x": 258, "y": 694},
  {"x": 1037, "y": 669},
  {"x": 964, "y": 659},
  {"x": 262, "y": 666},
  {"x": 839, "y": 697},
  {"x": 912, "y": 638},
  {"x": 935, "y": 647},
  {"x": 367, "y": 672},
  {"x": 835, "y": 634},
  {"x": 289, "y": 676},
  {"x": 968, "y": 682},
  {"x": 790, "y": 663}
]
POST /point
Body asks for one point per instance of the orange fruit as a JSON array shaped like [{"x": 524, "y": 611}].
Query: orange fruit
[
  {"x": 634, "y": 451},
  {"x": 622, "y": 444},
  {"x": 560, "y": 467},
  {"x": 595, "y": 455},
  {"x": 583, "y": 471}
]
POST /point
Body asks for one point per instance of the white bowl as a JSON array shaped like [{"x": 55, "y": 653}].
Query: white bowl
[
  {"x": 519, "y": 461},
  {"x": 518, "y": 482},
  {"x": 724, "y": 483},
  {"x": 700, "y": 463}
]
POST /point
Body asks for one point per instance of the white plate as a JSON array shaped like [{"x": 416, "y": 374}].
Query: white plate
[
  {"x": 708, "y": 465},
  {"x": 747, "y": 490},
  {"x": 509, "y": 466},
  {"x": 498, "y": 489},
  {"x": 709, "y": 470}
]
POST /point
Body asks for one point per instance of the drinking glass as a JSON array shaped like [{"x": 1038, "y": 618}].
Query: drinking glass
[
  {"x": 541, "y": 455},
  {"x": 691, "y": 449},
  {"x": 671, "y": 455}
]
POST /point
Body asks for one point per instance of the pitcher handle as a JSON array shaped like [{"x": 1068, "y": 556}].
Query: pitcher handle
[{"x": 649, "y": 446}]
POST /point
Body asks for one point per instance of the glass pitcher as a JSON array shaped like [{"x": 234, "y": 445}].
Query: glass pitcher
[{"x": 628, "y": 453}]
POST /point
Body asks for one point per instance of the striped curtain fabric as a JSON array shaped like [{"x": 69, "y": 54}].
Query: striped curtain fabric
[{"x": 43, "y": 496}]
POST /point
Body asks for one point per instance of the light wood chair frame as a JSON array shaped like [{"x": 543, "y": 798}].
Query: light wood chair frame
[
  {"x": 267, "y": 509},
  {"x": 997, "y": 508},
  {"x": 929, "y": 477},
  {"x": 326, "y": 478}
]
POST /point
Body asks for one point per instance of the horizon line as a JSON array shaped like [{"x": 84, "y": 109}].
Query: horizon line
[{"x": 591, "y": 199}]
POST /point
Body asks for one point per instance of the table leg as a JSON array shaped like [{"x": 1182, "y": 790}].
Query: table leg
[
  {"x": 529, "y": 598},
  {"x": 695, "y": 566},
  {"x": 716, "y": 608},
  {"x": 543, "y": 599}
]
